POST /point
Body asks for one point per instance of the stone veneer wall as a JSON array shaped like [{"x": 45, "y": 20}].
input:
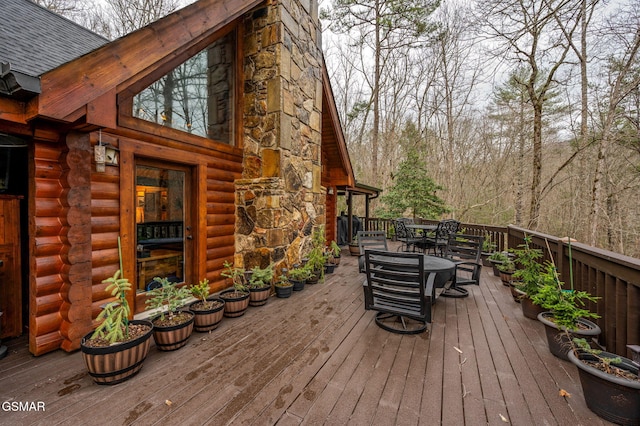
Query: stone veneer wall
[{"x": 280, "y": 199}]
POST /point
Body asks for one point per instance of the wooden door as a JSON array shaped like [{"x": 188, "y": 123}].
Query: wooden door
[{"x": 10, "y": 275}]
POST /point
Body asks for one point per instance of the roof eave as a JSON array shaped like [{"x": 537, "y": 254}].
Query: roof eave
[{"x": 16, "y": 84}]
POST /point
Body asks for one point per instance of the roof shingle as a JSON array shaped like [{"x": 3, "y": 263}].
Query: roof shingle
[{"x": 35, "y": 40}]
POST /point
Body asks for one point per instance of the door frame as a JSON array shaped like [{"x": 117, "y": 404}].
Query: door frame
[{"x": 195, "y": 255}]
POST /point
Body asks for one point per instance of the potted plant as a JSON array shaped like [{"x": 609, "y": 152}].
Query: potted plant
[
  {"x": 116, "y": 350},
  {"x": 171, "y": 327},
  {"x": 298, "y": 277},
  {"x": 354, "y": 247},
  {"x": 260, "y": 285},
  {"x": 610, "y": 383},
  {"x": 236, "y": 299},
  {"x": 506, "y": 270},
  {"x": 497, "y": 258},
  {"x": 335, "y": 252},
  {"x": 488, "y": 248},
  {"x": 284, "y": 288},
  {"x": 317, "y": 258},
  {"x": 208, "y": 311},
  {"x": 565, "y": 316},
  {"x": 528, "y": 277},
  {"x": 329, "y": 263}
]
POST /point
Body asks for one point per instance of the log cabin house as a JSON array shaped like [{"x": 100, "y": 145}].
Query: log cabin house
[{"x": 210, "y": 135}]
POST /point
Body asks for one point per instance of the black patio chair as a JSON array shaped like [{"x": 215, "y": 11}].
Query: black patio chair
[
  {"x": 370, "y": 240},
  {"x": 464, "y": 250},
  {"x": 398, "y": 287},
  {"x": 438, "y": 241},
  {"x": 406, "y": 236}
]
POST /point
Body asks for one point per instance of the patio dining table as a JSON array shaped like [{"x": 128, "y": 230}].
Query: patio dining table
[
  {"x": 423, "y": 228},
  {"x": 444, "y": 268}
]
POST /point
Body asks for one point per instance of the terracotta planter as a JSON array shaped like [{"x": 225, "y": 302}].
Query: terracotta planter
[
  {"x": 298, "y": 285},
  {"x": 284, "y": 292},
  {"x": 235, "y": 305},
  {"x": 559, "y": 344},
  {"x": 610, "y": 397},
  {"x": 114, "y": 364},
  {"x": 171, "y": 338},
  {"x": 259, "y": 296},
  {"x": 529, "y": 309},
  {"x": 207, "y": 319}
]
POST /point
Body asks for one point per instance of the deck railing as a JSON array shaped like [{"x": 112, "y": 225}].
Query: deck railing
[{"x": 612, "y": 277}]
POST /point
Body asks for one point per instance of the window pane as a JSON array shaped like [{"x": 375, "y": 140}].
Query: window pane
[{"x": 197, "y": 96}]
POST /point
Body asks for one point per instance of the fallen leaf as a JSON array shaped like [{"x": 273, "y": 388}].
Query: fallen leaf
[
  {"x": 563, "y": 393},
  {"x": 167, "y": 402},
  {"x": 457, "y": 349},
  {"x": 503, "y": 418}
]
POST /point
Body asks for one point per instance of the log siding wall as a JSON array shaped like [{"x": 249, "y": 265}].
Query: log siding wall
[{"x": 47, "y": 267}]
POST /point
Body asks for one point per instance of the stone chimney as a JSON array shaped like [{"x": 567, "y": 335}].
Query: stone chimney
[{"x": 280, "y": 200}]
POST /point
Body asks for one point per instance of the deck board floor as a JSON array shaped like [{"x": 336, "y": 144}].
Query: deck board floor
[{"x": 319, "y": 358}]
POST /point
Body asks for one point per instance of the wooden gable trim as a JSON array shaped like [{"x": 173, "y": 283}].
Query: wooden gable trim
[
  {"x": 339, "y": 169},
  {"x": 79, "y": 82}
]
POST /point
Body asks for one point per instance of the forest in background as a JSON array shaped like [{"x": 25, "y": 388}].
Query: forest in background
[{"x": 522, "y": 112}]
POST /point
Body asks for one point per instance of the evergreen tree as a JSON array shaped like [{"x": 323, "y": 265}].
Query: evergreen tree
[{"x": 413, "y": 191}]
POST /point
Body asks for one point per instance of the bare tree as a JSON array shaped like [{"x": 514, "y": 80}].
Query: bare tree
[
  {"x": 623, "y": 76},
  {"x": 528, "y": 33}
]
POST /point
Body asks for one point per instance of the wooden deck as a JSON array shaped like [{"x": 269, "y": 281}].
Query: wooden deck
[{"x": 319, "y": 358}]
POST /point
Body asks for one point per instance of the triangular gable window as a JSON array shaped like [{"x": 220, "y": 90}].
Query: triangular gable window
[{"x": 197, "y": 96}]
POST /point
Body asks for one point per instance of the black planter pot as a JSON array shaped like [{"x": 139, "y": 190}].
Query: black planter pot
[
  {"x": 559, "y": 344},
  {"x": 298, "y": 285},
  {"x": 529, "y": 309},
  {"x": 284, "y": 292},
  {"x": 329, "y": 268},
  {"x": 314, "y": 278},
  {"x": 114, "y": 364},
  {"x": 494, "y": 265},
  {"x": 610, "y": 397}
]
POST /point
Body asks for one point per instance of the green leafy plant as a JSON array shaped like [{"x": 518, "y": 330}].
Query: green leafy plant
[
  {"x": 299, "y": 273},
  {"x": 115, "y": 315},
  {"x": 282, "y": 281},
  {"x": 167, "y": 298},
  {"x": 335, "y": 249},
  {"x": 498, "y": 256},
  {"x": 317, "y": 257},
  {"x": 581, "y": 344},
  {"x": 507, "y": 266},
  {"x": 567, "y": 305},
  {"x": 261, "y": 277},
  {"x": 487, "y": 245},
  {"x": 530, "y": 269},
  {"x": 236, "y": 275},
  {"x": 201, "y": 291}
]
